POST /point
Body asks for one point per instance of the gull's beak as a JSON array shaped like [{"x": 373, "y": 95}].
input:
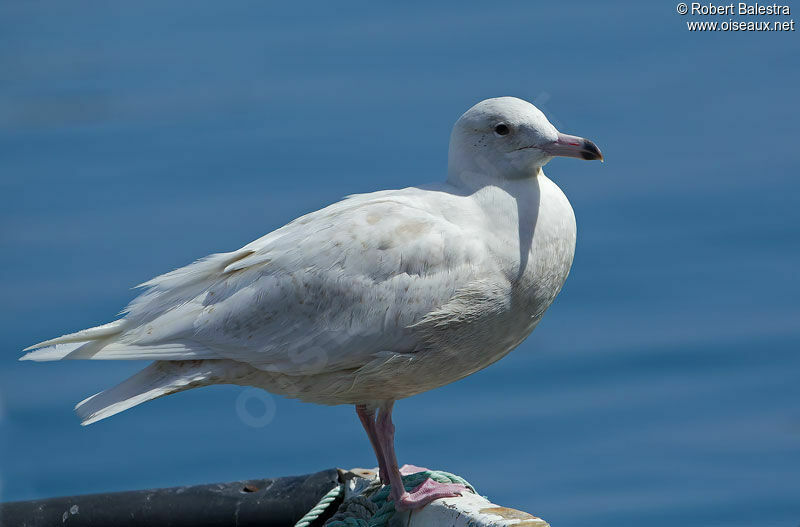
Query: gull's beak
[{"x": 573, "y": 146}]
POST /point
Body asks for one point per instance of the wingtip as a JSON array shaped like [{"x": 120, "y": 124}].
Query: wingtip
[{"x": 43, "y": 344}]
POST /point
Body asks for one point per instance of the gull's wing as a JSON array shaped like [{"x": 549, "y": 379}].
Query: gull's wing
[{"x": 327, "y": 291}]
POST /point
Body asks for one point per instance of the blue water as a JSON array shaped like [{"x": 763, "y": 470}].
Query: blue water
[{"x": 662, "y": 387}]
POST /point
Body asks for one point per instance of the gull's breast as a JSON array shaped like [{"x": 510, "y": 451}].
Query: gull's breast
[{"x": 552, "y": 249}]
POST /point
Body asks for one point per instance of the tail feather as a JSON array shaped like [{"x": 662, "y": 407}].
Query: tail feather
[{"x": 157, "y": 380}]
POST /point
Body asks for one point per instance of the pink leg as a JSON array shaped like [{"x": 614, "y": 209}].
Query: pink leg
[
  {"x": 426, "y": 492},
  {"x": 367, "y": 417}
]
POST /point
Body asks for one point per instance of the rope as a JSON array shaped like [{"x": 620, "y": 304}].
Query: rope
[
  {"x": 320, "y": 507},
  {"x": 354, "y": 512},
  {"x": 377, "y": 510},
  {"x": 410, "y": 482}
]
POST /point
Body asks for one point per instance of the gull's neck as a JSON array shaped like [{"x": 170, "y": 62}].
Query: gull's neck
[
  {"x": 471, "y": 172},
  {"x": 473, "y": 181}
]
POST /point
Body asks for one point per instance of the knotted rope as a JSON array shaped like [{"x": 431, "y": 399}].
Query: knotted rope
[
  {"x": 373, "y": 508},
  {"x": 320, "y": 507}
]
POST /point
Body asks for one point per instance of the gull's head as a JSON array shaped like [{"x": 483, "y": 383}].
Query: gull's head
[{"x": 510, "y": 138}]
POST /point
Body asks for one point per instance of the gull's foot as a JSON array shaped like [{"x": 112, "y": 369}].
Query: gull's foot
[
  {"x": 405, "y": 470},
  {"x": 426, "y": 492},
  {"x": 412, "y": 469}
]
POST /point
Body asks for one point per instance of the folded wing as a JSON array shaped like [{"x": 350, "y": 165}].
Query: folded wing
[{"x": 325, "y": 292}]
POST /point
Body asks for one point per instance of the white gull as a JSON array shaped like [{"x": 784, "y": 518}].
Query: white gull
[{"x": 372, "y": 299}]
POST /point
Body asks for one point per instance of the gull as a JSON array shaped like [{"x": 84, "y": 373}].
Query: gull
[{"x": 375, "y": 298}]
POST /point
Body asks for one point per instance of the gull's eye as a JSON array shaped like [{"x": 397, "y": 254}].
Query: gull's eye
[{"x": 501, "y": 129}]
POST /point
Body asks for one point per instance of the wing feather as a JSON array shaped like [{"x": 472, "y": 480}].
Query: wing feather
[{"x": 329, "y": 290}]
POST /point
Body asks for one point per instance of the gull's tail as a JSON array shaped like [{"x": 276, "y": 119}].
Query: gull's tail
[
  {"x": 179, "y": 365},
  {"x": 158, "y": 379},
  {"x": 158, "y": 325}
]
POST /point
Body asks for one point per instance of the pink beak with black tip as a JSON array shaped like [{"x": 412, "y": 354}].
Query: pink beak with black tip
[{"x": 572, "y": 146}]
